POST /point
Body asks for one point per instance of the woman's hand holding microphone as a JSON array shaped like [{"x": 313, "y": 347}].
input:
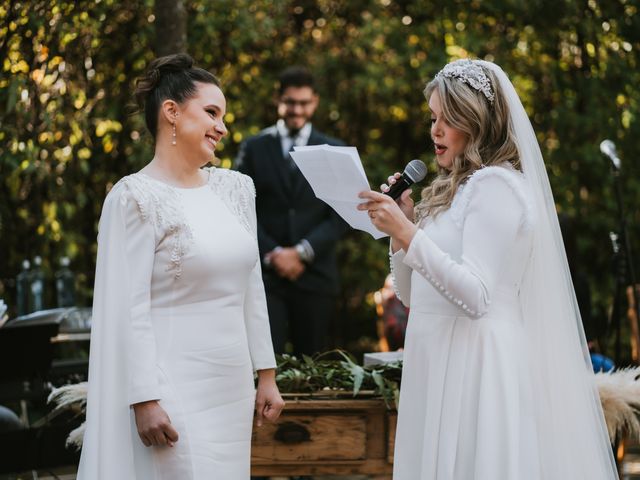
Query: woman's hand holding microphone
[{"x": 394, "y": 218}]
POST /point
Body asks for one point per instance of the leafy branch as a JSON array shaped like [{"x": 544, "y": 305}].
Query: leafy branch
[{"x": 319, "y": 375}]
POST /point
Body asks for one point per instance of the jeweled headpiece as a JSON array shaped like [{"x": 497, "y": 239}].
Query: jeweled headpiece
[{"x": 471, "y": 73}]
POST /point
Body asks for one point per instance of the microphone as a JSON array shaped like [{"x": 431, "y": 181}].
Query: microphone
[
  {"x": 414, "y": 172},
  {"x": 608, "y": 148}
]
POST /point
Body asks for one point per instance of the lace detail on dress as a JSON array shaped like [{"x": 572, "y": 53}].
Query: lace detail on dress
[
  {"x": 161, "y": 205},
  {"x": 512, "y": 177},
  {"x": 237, "y": 192}
]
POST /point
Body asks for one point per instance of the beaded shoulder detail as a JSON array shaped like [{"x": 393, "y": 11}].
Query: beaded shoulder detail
[
  {"x": 160, "y": 204},
  {"x": 512, "y": 177},
  {"x": 238, "y": 193}
]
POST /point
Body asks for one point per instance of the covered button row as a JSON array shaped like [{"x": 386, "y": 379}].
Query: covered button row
[{"x": 446, "y": 292}]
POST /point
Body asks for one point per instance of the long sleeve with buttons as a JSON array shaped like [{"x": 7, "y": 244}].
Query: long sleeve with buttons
[{"x": 492, "y": 218}]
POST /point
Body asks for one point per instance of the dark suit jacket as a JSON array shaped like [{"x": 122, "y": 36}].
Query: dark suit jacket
[{"x": 289, "y": 211}]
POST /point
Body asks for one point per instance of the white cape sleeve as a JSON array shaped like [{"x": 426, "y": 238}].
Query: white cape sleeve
[
  {"x": 255, "y": 303},
  {"x": 122, "y": 354}
]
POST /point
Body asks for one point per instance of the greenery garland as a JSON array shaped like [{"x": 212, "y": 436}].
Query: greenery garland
[{"x": 319, "y": 376}]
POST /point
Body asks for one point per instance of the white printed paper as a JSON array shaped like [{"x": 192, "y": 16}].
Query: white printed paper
[{"x": 337, "y": 176}]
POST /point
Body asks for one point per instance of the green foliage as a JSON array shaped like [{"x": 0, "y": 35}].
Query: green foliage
[
  {"x": 65, "y": 134},
  {"x": 68, "y": 71},
  {"x": 323, "y": 377}
]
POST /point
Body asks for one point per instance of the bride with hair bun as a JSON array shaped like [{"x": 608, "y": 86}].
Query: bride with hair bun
[{"x": 179, "y": 321}]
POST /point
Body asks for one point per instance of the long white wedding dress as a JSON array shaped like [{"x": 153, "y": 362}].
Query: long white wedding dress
[
  {"x": 477, "y": 402},
  {"x": 497, "y": 381},
  {"x": 179, "y": 316},
  {"x": 464, "y": 410}
]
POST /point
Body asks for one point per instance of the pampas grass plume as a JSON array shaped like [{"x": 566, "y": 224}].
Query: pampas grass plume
[{"x": 620, "y": 397}]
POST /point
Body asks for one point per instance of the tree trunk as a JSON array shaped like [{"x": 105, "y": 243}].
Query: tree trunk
[{"x": 171, "y": 27}]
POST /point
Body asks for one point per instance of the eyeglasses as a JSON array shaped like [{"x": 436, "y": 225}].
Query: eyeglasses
[{"x": 290, "y": 102}]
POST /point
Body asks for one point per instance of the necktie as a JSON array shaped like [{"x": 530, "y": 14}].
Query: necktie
[{"x": 292, "y": 164}]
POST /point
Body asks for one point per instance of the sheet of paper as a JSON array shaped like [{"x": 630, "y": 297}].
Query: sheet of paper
[{"x": 337, "y": 176}]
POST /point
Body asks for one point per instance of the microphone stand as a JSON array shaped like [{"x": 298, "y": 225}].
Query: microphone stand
[
  {"x": 624, "y": 265},
  {"x": 618, "y": 266}
]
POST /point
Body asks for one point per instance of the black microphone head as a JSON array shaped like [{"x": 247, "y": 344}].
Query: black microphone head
[{"x": 416, "y": 170}]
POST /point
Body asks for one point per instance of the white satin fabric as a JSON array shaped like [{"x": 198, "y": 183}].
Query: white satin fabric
[
  {"x": 465, "y": 410},
  {"x": 179, "y": 316},
  {"x": 497, "y": 381}
]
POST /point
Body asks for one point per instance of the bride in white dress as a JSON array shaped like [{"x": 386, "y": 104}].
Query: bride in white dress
[
  {"x": 179, "y": 316},
  {"x": 497, "y": 383}
]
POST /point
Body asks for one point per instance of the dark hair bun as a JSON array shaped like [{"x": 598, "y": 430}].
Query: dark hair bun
[
  {"x": 172, "y": 63},
  {"x": 156, "y": 71},
  {"x": 171, "y": 77}
]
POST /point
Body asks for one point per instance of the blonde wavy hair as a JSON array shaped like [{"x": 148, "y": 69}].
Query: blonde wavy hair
[{"x": 489, "y": 133}]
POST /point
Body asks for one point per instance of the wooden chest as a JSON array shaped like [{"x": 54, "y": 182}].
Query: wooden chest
[{"x": 325, "y": 437}]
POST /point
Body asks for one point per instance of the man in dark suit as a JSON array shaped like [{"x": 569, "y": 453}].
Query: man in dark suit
[{"x": 297, "y": 233}]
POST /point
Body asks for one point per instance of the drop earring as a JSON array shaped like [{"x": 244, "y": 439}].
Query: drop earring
[{"x": 174, "y": 136}]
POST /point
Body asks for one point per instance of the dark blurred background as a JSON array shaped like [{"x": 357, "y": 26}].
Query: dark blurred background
[{"x": 67, "y": 133}]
